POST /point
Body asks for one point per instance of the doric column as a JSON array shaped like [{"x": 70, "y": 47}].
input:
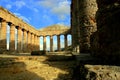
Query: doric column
[
  {"x": 51, "y": 43},
  {"x": 58, "y": 42},
  {"x": 38, "y": 43},
  {"x": 28, "y": 41},
  {"x": 24, "y": 40},
  {"x": 3, "y": 40},
  {"x": 32, "y": 42},
  {"x": 66, "y": 42},
  {"x": 19, "y": 39},
  {"x": 12, "y": 37},
  {"x": 86, "y": 16},
  {"x": 44, "y": 43},
  {"x": 3, "y": 34},
  {"x": 35, "y": 42}
]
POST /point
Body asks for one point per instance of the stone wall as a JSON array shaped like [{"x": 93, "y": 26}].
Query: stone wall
[{"x": 106, "y": 41}]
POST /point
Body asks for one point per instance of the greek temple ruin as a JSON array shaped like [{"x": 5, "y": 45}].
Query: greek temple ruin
[
  {"x": 89, "y": 29},
  {"x": 27, "y": 38}
]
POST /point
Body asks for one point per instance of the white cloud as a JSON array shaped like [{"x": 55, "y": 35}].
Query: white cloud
[
  {"x": 59, "y": 7},
  {"x": 35, "y": 9},
  {"x": 19, "y": 4},
  {"x": 22, "y": 17}
]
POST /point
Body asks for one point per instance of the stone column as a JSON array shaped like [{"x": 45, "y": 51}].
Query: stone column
[
  {"x": 51, "y": 43},
  {"x": 86, "y": 22},
  {"x": 32, "y": 42},
  {"x": 28, "y": 41},
  {"x": 75, "y": 30},
  {"x": 38, "y": 43},
  {"x": 19, "y": 39},
  {"x": 12, "y": 37},
  {"x": 58, "y": 43},
  {"x": 24, "y": 40},
  {"x": 35, "y": 42},
  {"x": 44, "y": 43},
  {"x": 66, "y": 42},
  {"x": 3, "y": 40}
]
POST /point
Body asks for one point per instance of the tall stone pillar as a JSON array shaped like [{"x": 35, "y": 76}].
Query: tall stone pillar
[
  {"x": 35, "y": 42},
  {"x": 66, "y": 42},
  {"x": 28, "y": 41},
  {"x": 3, "y": 40},
  {"x": 38, "y": 43},
  {"x": 51, "y": 43},
  {"x": 32, "y": 42},
  {"x": 58, "y": 43},
  {"x": 87, "y": 23},
  {"x": 75, "y": 30},
  {"x": 24, "y": 40},
  {"x": 12, "y": 37},
  {"x": 19, "y": 39},
  {"x": 44, "y": 43}
]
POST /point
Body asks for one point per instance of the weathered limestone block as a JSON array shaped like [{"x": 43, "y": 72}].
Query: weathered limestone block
[
  {"x": 100, "y": 72},
  {"x": 108, "y": 29}
]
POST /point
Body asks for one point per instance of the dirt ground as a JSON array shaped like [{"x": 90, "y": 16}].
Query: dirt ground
[{"x": 50, "y": 67}]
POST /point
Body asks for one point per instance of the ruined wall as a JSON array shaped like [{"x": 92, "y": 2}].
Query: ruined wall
[{"x": 106, "y": 41}]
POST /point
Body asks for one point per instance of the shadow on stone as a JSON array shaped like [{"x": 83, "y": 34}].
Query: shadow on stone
[{"x": 35, "y": 53}]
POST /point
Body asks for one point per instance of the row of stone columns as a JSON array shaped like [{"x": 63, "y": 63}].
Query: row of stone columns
[
  {"x": 26, "y": 41},
  {"x": 58, "y": 43}
]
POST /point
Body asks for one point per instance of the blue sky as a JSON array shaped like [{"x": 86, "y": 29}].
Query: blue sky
[{"x": 40, "y": 13}]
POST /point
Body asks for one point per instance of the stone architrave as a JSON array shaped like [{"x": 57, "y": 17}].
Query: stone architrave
[
  {"x": 12, "y": 37},
  {"x": 51, "y": 43},
  {"x": 3, "y": 40}
]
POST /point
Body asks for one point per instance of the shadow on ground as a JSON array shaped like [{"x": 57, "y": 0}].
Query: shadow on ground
[{"x": 11, "y": 69}]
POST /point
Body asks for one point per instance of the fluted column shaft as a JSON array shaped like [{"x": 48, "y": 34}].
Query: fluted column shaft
[
  {"x": 3, "y": 40},
  {"x": 38, "y": 42},
  {"x": 32, "y": 42},
  {"x": 35, "y": 42},
  {"x": 44, "y": 43},
  {"x": 58, "y": 42},
  {"x": 51, "y": 43},
  {"x": 66, "y": 42},
  {"x": 28, "y": 41},
  {"x": 24, "y": 40},
  {"x": 12, "y": 37},
  {"x": 3, "y": 43},
  {"x": 19, "y": 39}
]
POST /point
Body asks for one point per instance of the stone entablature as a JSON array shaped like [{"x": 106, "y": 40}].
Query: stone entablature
[
  {"x": 9, "y": 17},
  {"x": 54, "y": 30}
]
